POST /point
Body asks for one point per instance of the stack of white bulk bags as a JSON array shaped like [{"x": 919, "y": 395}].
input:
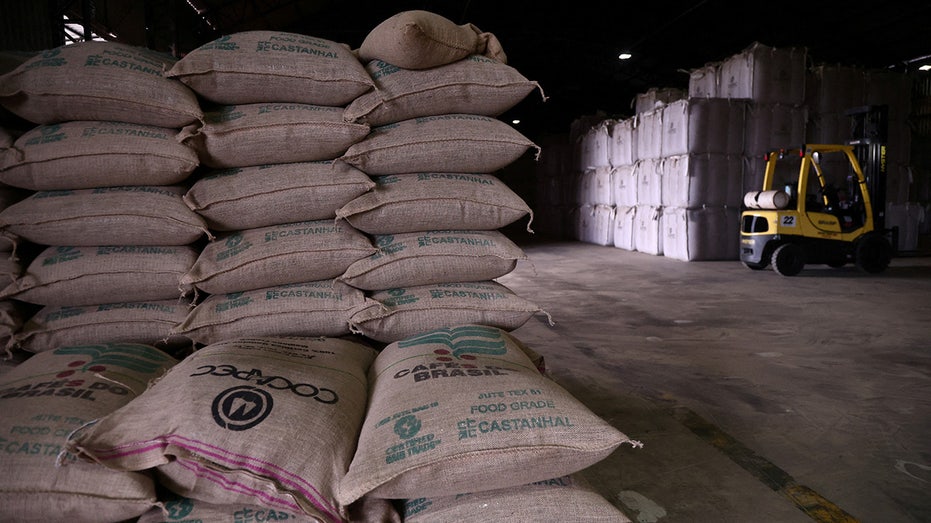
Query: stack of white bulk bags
[
  {"x": 657, "y": 97},
  {"x": 702, "y": 146},
  {"x": 273, "y": 104},
  {"x": 106, "y": 173}
]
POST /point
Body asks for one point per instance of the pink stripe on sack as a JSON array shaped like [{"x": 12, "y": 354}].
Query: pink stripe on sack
[
  {"x": 233, "y": 486},
  {"x": 281, "y": 475}
]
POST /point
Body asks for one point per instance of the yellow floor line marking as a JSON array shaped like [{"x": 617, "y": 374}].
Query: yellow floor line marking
[{"x": 816, "y": 506}]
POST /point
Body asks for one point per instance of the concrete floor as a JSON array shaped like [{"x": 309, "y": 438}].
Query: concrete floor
[{"x": 758, "y": 398}]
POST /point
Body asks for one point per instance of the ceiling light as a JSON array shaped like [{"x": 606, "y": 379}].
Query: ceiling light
[
  {"x": 926, "y": 67},
  {"x": 624, "y": 56},
  {"x": 515, "y": 121}
]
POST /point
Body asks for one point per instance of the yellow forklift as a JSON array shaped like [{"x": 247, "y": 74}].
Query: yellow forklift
[{"x": 819, "y": 206}]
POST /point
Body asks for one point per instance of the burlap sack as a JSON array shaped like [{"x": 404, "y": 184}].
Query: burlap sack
[
  {"x": 256, "y": 134},
  {"x": 277, "y": 255},
  {"x": 452, "y": 143},
  {"x": 425, "y": 258},
  {"x": 420, "y": 39},
  {"x": 567, "y": 499},
  {"x": 177, "y": 508},
  {"x": 239, "y": 412},
  {"x": 473, "y": 85},
  {"x": 47, "y": 397},
  {"x": 149, "y": 323},
  {"x": 450, "y": 405},
  {"x": 270, "y": 66},
  {"x": 142, "y": 215},
  {"x": 7, "y": 138},
  {"x": 250, "y": 197},
  {"x": 99, "y": 81},
  {"x": 10, "y": 271},
  {"x": 431, "y": 201},
  {"x": 83, "y": 155},
  {"x": 318, "y": 308},
  {"x": 12, "y": 317},
  {"x": 13, "y": 359},
  {"x": 74, "y": 276},
  {"x": 399, "y": 313}
]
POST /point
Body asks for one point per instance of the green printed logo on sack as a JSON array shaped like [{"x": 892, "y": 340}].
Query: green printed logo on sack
[
  {"x": 224, "y": 43},
  {"x": 398, "y": 297},
  {"x": 382, "y": 69},
  {"x": 49, "y": 58},
  {"x": 386, "y": 246},
  {"x": 47, "y": 134},
  {"x": 407, "y": 427},
  {"x": 225, "y": 114},
  {"x": 463, "y": 344},
  {"x": 97, "y": 358},
  {"x": 233, "y": 300},
  {"x": 234, "y": 246},
  {"x": 62, "y": 254},
  {"x": 179, "y": 508}
]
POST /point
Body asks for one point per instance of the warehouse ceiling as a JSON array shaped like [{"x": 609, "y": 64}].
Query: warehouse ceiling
[{"x": 570, "y": 48}]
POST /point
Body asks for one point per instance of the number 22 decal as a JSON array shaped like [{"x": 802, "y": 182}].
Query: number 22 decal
[{"x": 788, "y": 221}]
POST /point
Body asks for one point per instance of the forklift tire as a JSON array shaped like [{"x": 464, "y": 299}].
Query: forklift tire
[
  {"x": 755, "y": 266},
  {"x": 873, "y": 254},
  {"x": 788, "y": 259}
]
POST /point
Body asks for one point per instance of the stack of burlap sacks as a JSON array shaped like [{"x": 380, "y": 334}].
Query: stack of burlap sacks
[{"x": 333, "y": 261}]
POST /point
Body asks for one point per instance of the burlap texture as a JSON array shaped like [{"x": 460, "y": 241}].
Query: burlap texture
[
  {"x": 84, "y": 155},
  {"x": 149, "y": 323},
  {"x": 473, "y": 85},
  {"x": 52, "y": 394},
  {"x": 12, "y": 317},
  {"x": 240, "y": 411},
  {"x": 451, "y": 143},
  {"x": 318, "y": 308},
  {"x": 567, "y": 499},
  {"x": 395, "y": 314},
  {"x": 278, "y": 255},
  {"x": 256, "y": 134},
  {"x": 431, "y": 201},
  {"x": 271, "y": 66},
  {"x": 424, "y": 258},
  {"x": 10, "y": 270},
  {"x": 419, "y": 39},
  {"x": 99, "y": 81},
  {"x": 250, "y": 197},
  {"x": 177, "y": 508},
  {"x": 141, "y": 215},
  {"x": 72, "y": 276},
  {"x": 450, "y": 405}
]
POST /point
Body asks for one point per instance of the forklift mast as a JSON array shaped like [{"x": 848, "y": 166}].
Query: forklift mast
[{"x": 869, "y": 128}]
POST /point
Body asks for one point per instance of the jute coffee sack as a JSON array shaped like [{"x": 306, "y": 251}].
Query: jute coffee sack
[
  {"x": 473, "y": 85},
  {"x": 11, "y": 360},
  {"x": 270, "y": 66},
  {"x": 430, "y": 257},
  {"x": 83, "y": 155},
  {"x": 277, "y": 255},
  {"x": 420, "y": 39},
  {"x": 177, "y": 508},
  {"x": 149, "y": 323},
  {"x": 71, "y": 276},
  {"x": 256, "y": 134},
  {"x": 12, "y": 317},
  {"x": 462, "y": 409},
  {"x": 399, "y": 313},
  {"x": 10, "y": 270},
  {"x": 240, "y": 410},
  {"x": 140, "y": 215},
  {"x": 249, "y": 197},
  {"x": 429, "y": 201},
  {"x": 318, "y": 308},
  {"x": 451, "y": 143},
  {"x": 46, "y": 398},
  {"x": 99, "y": 81},
  {"x": 567, "y": 499}
]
